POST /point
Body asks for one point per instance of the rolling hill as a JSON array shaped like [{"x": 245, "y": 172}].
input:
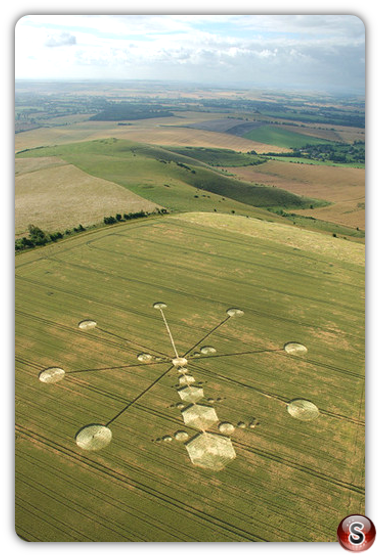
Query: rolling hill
[{"x": 149, "y": 170}]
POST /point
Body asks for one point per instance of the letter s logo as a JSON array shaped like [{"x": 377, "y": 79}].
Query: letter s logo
[{"x": 356, "y": 537}]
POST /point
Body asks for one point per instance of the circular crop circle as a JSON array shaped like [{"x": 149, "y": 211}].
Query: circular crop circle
[
  {"x": 208, "y": 350},
  {"x": 160, "y": 305},
  {"x": 234, "y": 312},
  {"x": 242, "y": 425},
  {"x": 87, "y": 324},
  {"x": 144, "y": 357},
  {"x": 51, "y": 375},
  {"x": 226, "y": 427},
  {"x": 179, "y": 362},
  {"x": 295, "y": 348},
  {"x": 167, "y": 438},
  {"x": 303, "y": 410},
  {"x": 93, "y": 437},
  {"x": 181, "y": 436}
]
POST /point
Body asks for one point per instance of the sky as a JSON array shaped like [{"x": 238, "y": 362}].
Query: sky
[{"x": 303, "y": 52}]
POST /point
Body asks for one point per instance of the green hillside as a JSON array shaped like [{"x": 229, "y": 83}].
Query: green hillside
[{"x": 149, "y": 171}]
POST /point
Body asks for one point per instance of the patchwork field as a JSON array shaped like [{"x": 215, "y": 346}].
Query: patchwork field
[
  {"x": 291, "y": 480},
  {"x": 157, "y": 131}
]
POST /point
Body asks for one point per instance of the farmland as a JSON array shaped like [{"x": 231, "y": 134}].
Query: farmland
[
  {"x": 162, "y": 131},
  {"x": 343, "y": 186},
  {"x": 165, "y": 178},
  {"x": 186, "y": 179},
  {"x": 221, "y": 129},
  {"x": 77, "y": 198},
  {"x": 248, "y": 265},
  {"x": 305, "y": 287},
  {"x": 272, "y": 135}
]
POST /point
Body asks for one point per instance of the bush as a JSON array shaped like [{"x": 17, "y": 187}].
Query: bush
[
  {"x": 54, "y": 236},
  {"x": 109, "y": 220},
  {"x": 23, "y": 243}
]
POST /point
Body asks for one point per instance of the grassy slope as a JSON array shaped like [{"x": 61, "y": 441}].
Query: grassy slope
[
  {"x": 291, "y": 481},
  {"x": 218, "y": 157},
  {"x": 145, "y": 169}
]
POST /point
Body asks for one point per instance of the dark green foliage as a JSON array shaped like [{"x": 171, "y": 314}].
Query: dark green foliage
[
  {"x": 131, "y": 111},
  {"x": 38, "y": 237},
  {"x": 334, "y": 152}
]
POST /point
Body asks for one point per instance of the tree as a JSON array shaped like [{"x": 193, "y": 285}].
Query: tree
[{"x": 37, "y": 236}]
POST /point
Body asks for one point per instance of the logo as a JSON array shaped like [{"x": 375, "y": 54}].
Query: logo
[{"x": 356, "y": 533}]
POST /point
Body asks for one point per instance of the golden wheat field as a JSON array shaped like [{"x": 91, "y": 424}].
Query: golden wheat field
[{"x": 55, "y": 195}]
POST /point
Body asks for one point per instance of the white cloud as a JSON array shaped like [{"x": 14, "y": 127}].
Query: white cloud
[
  {"x": 60, "y": 39},
  {"x": 225, "y": 49},
  {"x": 321, "y": 25},
  {"x": 267, "y": 53}
]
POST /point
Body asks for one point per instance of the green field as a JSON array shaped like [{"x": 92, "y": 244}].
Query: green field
[
  {"x": 274, "y": 135},
  {"x": 290, "y": 481}
]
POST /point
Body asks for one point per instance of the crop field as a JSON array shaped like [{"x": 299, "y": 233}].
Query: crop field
[
  {"x": 55, "y": 195},
  {"x": 280, "y": 137},
  {"x": 232, "y": 294},
  {"x": 343, "y": 186}
]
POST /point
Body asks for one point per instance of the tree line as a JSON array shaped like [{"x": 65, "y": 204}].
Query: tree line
[{"x": 38, "y": 237}]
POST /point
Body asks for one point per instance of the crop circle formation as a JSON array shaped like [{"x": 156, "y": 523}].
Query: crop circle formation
[
  {"x": 52, "y": 375},
  {"x": 87, "y": 324},
  {"x": 208, "y": 450},
  {"x": 295, "y": 348},
  {"x": 93, "y": 437},
  {"x": 303, "y": 410}
]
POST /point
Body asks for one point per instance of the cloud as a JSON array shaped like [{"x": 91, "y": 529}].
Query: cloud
[
  {"x": 338, "y": 26},
  {"x": 60, "y": 39},
  {"x": 311, "y": 50}
]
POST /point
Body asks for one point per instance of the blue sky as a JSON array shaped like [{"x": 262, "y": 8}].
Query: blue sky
[{"x": 308, "y": 52}]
